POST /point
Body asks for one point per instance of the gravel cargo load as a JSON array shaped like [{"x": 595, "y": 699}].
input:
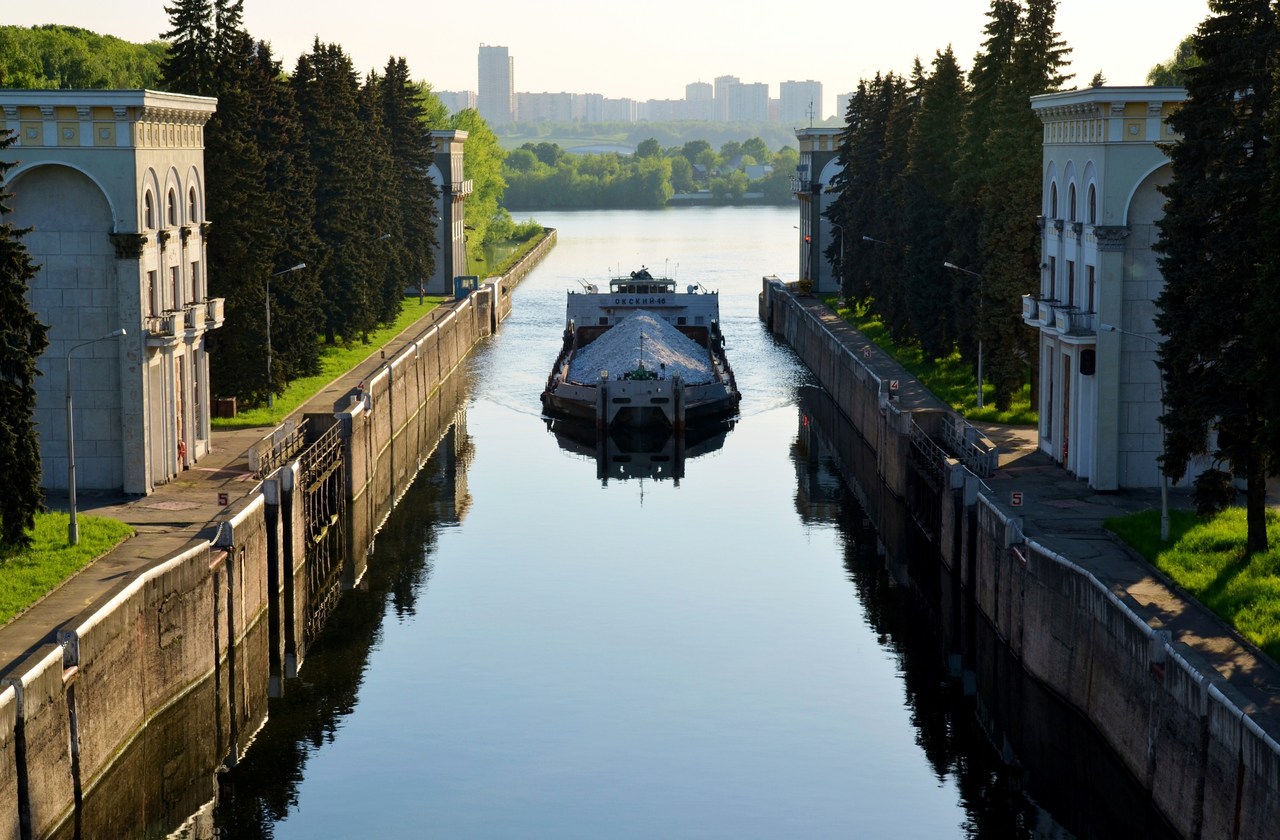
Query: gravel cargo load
[{"x": 642, "y": 337}]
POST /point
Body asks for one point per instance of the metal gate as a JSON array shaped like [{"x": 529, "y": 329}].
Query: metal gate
[{"x": 322, "y": 478}]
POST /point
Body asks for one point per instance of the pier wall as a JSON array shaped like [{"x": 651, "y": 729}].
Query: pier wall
[{"x": 1169, "y": 717}]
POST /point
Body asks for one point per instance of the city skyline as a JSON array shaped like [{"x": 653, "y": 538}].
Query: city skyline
[{"x": 656, "y": 54}]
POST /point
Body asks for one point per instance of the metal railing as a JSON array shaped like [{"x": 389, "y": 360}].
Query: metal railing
[{"x": 277, "y": 448}]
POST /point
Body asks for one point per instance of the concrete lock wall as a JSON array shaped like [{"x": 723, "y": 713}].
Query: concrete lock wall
[
  {"x": 192, "y": 625},
  {"x": 43, "y": 727},
  {"x": 388, "y": 433},
  {"x": 9, "y": 826},
  {"x": 1171, "y": 719}
]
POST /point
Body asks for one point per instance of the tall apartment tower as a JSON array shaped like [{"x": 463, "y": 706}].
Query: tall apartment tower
[
  {"x": 724, "y": 87},
  {"x": 700, "y": 100},
  {"x": 800, "y": 103},
  {"x": 497, "y": 90}
]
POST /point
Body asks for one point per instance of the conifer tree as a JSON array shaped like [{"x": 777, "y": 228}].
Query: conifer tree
[
  {"x": 289, "y": 180},
  {"x": 189, "y": 67},
  {"x": 1219, "y": 257},
  {"x": 22, "y": 340},
  {"x": 404, "y": 114},
  {"x": 973, "y": 171},
  {"x": 930, "y": 188},
  {"x": 327, "y": 94},
  {"x": 1008, "y": 240}
]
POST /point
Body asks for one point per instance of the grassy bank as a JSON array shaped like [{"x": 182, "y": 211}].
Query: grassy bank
[
  {"x": 334, "y": 362},
  {"x": 951, "y": 379},
  {"x": 27, "y": 576},
  {"x": 1206, "y": 557}
]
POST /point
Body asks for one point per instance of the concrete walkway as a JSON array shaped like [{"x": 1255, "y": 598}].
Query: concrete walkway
[
  {"x": 1062, "y": 513},
  {"x": 173, "y": 516}
]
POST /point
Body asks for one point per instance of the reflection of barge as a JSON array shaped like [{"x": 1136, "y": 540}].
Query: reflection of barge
[
  {"x": 629, "y": 453},
  {"x": 642, "y": 354}
]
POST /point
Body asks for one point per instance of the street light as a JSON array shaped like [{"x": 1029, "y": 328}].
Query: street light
[
  {"x": 1164, "y": 477},
  {"x": 73, "y": 529},
  {"x": 271, "y": 389},
  {"x": 872, "y": 239},
  {"x": 955, "y": 267}
]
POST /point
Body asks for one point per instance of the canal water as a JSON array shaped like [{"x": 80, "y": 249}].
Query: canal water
[{"x": 546, "y": 646}]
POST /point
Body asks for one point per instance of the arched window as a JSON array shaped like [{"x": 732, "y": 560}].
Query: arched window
[
  {"x": 1071, "y": 203},
  {"x": 1053, "y": 201},
  {"x": 192, "y": 215},
  {"x": 171, "y": 210},
  {"x": 148, "y": 210},
  {"x": 1091, "y": 208}
]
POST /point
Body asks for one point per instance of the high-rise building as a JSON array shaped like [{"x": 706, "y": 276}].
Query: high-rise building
[
  {"x": 497, "y": 99},
  {"x": 842, "y": 104},
  {"x": 724, "y": 84},
  {"x": 800, "y": 103},
  {"x": 457, "y": 100},
  {"x": 749, "y": 103},
  {"x": 700, "y": 99}
]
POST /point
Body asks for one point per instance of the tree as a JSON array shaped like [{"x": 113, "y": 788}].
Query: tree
[
  {"x": 1173, "y": 73},
  {"x": 1220, "y": 351},
  {"x": 327, "y": 93},
  {"x": 974, "y": 166},
  {"x": 1008, "y": 240},
  {"x": 931, "y": 174},
  {"x": 22, "y": 340},
  {"x": 482, "y": 157},
  {"x": 648, "y": 148},
  {"x": 404, "y": 113},
  {"x": 189, "y": 67}
]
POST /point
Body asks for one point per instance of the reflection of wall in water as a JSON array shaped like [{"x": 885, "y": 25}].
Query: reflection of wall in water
[{"x": 1025, "y": 764}]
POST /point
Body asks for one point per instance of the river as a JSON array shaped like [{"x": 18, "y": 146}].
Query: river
[{"x": 545, "y": 648}]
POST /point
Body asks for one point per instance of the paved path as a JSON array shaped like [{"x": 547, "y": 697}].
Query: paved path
[
  {"x": 170, "y": 518},
  {"x": 1065, "y": 515}
]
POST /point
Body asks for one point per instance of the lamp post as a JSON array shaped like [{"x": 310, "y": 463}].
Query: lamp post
[
  {"x": 73, "y": 528},
  {"x": 955, "y": 267},
  {"x": 873, "y": 239},
  {"x": 271, "y": 388},
  {"x": 1164, "y": 477}
]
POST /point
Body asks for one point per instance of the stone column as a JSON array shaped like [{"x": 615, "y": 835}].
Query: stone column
[{"x": 1111, "y": 259}]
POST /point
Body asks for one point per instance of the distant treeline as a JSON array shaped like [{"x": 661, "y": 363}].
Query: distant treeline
[
  {"x": 67, "y": 57},
  {"x": 667, "y": 133},
  {"x": 543, "y": 176}
]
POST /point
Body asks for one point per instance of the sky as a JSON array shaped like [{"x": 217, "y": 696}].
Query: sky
[{"x": 651, "y": 50}]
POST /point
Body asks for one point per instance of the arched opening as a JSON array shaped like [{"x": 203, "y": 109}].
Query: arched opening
[
  {"x": 1091, "y": 206},
  {"x": 171, "y": 210},
  {"x": 149, "y": 210},
  {"x": 1053, "y": 201},
  {"x": 1071, "y": 203}
]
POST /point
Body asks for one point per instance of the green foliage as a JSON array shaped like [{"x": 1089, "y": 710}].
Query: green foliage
[
  {"x": 30, "y": 573},
  {"x": 915, "y": 192},
  {"x": 1220, "y": 351},
  {"x": 1210, "y": 559},
  {"x": 334, "y": 361},
  {"x": 483, "y": 158},
  {"x": 542, "y": 175},
  {"x": 1173, "y": 73},
  {"x": 68, "y": 57},
  {"x": 950, "y": 378},
  {"x": 190, "y": 65},
  {"x": 22, "y": 340}
]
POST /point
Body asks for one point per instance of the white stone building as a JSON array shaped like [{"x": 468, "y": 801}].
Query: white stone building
[
  {"x": 112, "y": 185},
  {"x": 1100, "y": 390},
  {"x": 818, "y": 167}
]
